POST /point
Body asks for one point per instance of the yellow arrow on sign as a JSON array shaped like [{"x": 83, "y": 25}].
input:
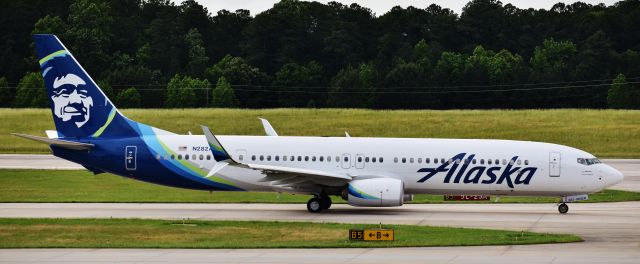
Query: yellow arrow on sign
[{"x": 378, "y": 235}]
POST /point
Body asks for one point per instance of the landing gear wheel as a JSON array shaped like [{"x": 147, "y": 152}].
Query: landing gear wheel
[
  {"x": 326, "y": 201},
  {"x": 314, "y": 205},
  {"x": 563, "y": 208}
]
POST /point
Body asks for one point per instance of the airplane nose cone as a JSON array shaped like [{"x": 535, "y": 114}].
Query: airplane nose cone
[{"x": 612, "y": 176}]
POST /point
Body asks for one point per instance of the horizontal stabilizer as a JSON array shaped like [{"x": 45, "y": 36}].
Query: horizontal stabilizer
[{"x": 57, "y": 142}]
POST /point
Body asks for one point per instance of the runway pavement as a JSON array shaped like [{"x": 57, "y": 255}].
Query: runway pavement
[{"x": 611, "y": 230}]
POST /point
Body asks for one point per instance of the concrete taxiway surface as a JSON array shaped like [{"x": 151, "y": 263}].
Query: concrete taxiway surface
[{"x": 611, "y": 230}]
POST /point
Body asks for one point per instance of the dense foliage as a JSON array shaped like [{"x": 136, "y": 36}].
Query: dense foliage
[{"x": 308, "y": 54}]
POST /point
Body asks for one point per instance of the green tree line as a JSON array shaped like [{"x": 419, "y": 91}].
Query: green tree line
[{"x": 155, "y": 53}]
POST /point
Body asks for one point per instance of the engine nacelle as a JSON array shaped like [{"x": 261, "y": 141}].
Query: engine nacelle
[{"x": 376, "y": 192}]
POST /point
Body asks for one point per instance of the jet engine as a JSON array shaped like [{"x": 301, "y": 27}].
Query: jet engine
[{"x": 376, "y": 192}]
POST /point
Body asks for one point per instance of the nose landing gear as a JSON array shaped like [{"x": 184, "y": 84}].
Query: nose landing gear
[{"x": 563, "y": 208}]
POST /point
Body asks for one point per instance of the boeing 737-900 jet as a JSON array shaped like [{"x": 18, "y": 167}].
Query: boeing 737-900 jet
[{"x": 363, "y": 171}]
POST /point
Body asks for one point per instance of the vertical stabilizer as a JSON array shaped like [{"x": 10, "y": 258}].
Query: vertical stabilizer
[{"x": 80, "y": 109}]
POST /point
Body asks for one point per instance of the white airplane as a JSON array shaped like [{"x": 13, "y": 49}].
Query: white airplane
[{"x": 372, "y": 172}]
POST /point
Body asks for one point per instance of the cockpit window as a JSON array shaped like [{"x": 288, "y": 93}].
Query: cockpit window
[{"x": 591, "y": 161}]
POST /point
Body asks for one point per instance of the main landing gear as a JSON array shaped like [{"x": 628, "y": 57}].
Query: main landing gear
[
  {"x": 319, "y": 203},
  {"x": 563, "y": 208}
]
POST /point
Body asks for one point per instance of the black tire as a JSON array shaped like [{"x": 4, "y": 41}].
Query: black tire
[
  {"x": 314, "y": 205},
  {"x": 563, "y": 208},
  {"x": 326, "y": 202}
]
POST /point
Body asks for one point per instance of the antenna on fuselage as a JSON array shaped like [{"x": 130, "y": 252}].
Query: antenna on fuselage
[{"x": 268, "y": 129}]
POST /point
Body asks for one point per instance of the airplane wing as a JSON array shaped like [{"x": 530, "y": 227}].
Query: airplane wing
[
  {"x": 277, "y": 175},
  {"x": 57, "y": 142}
]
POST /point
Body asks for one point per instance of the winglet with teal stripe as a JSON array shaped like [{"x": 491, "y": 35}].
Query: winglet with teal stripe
[{"x": 218, "y": 151}]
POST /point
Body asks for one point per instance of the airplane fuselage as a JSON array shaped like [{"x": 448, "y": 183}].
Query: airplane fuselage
[{"x": 425, "y": 166}]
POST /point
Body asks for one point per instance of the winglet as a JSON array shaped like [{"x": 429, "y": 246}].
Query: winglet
[
  {"x": 268, "y": 128},
  {"x": 218, "y": 151}
]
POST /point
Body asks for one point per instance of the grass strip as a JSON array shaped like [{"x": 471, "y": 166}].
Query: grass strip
[
  {"x": 605, "y": 133},
  {"x": 137, "y": 233},
  {"x": 83, "y": 186}
]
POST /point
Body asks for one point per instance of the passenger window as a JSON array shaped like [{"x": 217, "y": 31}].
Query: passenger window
[
  {"x": 441, "y": 160},
  {"x": 373, "y": 159},
  {"x": 504, "y": 162},
  {"x": 482, "y": 161},
  {"x": 411, "y": 160},
  {"x": 261, "y": 157},
  {"x": 519, "y": 162},
  {"x": 253, "y": 157},
  {"x": 419, "y": 160},
  {"x": 268, "y": 157},
  {"x": 299, "y": 158},
  {"x": 277, "y": 158},
  {"x": 208, "y": 157},
  {"x": 328, "y": 158},
  {"x": 497, "y": 161},
  {"x": 489, "y": 161},
  {"x": 321, "y": 158},
  {"x": 427, "y": 160},
  {"x": 526, "y": 162},
  {"x": 337, "y": 159},
  {"x": 395, "y": 160},
  {"x": 473, "y": 161},
  {"x": 292, "y": 158},
  {"x": 186, "y": 157},
  {"x": 173, "y": 156},
  {"x": 346, "y": 158},
  {"x": 457, "y": 161},
  {"x": 380, "y": 159},
  {"x": 359, "y": 159},
  {"x": 202, "y": 157},
  {"x": 313, "y": 158},
  {"x": 435, "y": 161},
  {"x": 306, "y": 158},
  {"x": 404, "y": 160},
  {"x": 511, "y": 162},
  {"x": 284, "y": 158}
]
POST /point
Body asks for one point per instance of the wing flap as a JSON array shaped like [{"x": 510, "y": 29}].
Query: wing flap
[{"x": 288, "y": 171}]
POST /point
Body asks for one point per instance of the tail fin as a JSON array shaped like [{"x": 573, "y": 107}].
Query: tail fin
[{"x": 80, "y": 109}]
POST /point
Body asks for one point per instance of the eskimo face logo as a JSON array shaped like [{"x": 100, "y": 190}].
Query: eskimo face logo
[{"x": 71, "y": 101}]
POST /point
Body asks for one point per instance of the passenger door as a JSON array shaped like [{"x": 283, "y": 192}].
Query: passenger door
[{"x": 554, "y": 164}]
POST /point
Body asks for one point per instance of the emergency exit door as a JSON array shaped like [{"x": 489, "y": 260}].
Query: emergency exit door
[
  {"x": 130, "y": 154},
  {"x": 554, "y": 164}
]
